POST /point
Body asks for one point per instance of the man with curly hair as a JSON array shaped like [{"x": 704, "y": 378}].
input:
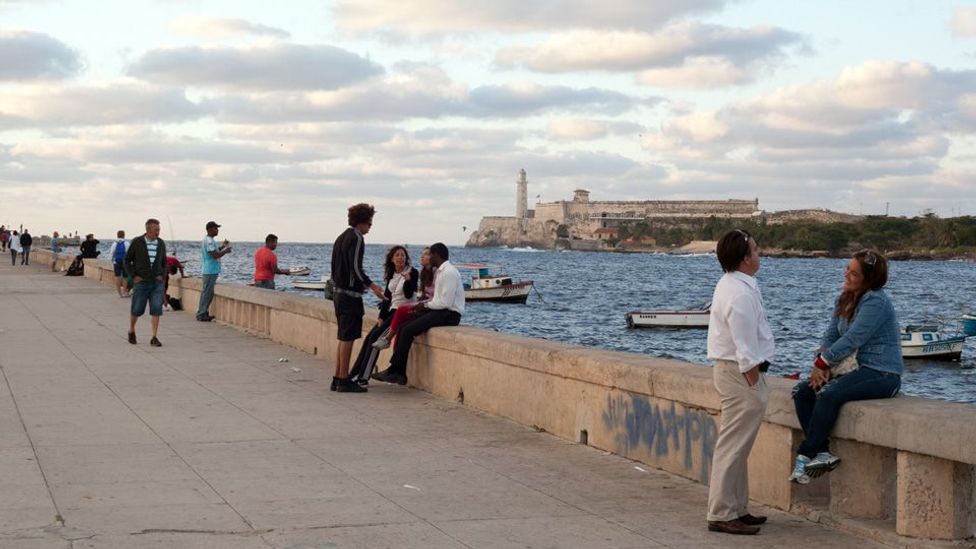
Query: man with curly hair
[{"x": 350, "y": 282}]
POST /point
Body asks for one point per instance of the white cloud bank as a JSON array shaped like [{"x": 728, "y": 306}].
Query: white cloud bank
[{"x": 216, "y": 28}]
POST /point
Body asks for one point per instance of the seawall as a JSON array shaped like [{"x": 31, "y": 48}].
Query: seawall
[{"x": 908, "y": 462}]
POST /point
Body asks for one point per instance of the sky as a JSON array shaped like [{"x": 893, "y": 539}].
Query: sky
[{"x": 276, "y": 117}]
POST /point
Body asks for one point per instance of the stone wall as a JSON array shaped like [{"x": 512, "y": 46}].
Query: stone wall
[
  {"x": 908, "y": 462},
  {"x": 818, "y": 216}
]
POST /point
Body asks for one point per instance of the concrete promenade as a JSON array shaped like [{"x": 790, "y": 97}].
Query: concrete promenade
[{"x": 210, "y": 441}]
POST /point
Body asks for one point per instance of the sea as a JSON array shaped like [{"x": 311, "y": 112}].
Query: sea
[{"x": 581, "y": 299}]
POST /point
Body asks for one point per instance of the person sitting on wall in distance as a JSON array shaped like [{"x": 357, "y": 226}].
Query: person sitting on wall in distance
[
  {"x": 404, "y": 312},
  {"x": 173, "y": 266},
  {"x": 400, "y": 280},
  {"x": 741, "y": 344},
  {"x": 445, "y": 309},
  {"x": 266, "y": 264},
  {"x": 89, "y": 248},
  {"x": 117, "y": 253},
  {"x": 863, "y": 324}
]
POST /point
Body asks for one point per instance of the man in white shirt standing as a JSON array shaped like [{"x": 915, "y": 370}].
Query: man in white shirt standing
[
  {"x": 444, "y": 309},
  {"x": 741, "y": 344}
]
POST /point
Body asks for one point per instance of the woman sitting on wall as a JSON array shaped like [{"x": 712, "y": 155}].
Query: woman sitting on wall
[
  {"x": 404, "y": 313},
  {"x": 859, "y": 359}
]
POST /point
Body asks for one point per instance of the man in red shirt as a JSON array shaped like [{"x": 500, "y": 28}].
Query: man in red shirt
[{"x": 266, "y": 264}]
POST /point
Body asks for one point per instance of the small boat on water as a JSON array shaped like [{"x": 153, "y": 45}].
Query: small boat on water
[
  {"x": 693, "y": 317},
  {"x": 925, "y": 341},
  {"x": 319, "y": 286},
  {"x": 299, "y": 270},
  {"x": 969, "y": 325},
  {"x": 498, "y": 288}
]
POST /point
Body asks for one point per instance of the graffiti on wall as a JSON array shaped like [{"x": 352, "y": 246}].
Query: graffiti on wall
[{"x": 663, "y": 429}]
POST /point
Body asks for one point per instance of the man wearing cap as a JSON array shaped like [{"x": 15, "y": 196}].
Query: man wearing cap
[{"x": 211, "y": 255}]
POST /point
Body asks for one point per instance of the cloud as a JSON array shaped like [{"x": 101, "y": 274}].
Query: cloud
[
  {"x": 419, "y": 91},
  {"x": 41, "y": 106},
  {"x": 261, "y": 68},
  {"x": 209, "y": 28},
  {"x": 963, "y": 22},
  {"x": 26, "y": 55},
  {"x": 584, "y": 129},
  {"x": 438, "y": 17},
  {"x": 624, "y": 51},
  {"x": 874, "y": 124}
]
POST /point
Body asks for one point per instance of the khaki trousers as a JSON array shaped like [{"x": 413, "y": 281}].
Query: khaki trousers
[{"x": 743, "y": 408}]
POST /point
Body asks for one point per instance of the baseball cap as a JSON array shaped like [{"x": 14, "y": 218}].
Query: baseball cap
[{"x": 212, "y": 224}]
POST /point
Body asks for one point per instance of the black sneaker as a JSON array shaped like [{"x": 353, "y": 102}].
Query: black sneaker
[
  {"x": 386, "y": 376},
  {"x": 155, "y": 342},
  {"x": 335, "y": 384},
  {"x": 346, "y": 386},
  {"x": 132, "y": 338}
]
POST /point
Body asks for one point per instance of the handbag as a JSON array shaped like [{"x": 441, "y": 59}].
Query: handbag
[{"x": 847, "y": 365}]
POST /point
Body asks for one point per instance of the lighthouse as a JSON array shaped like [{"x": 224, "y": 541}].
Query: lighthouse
[{"x": 521, "y": 195}]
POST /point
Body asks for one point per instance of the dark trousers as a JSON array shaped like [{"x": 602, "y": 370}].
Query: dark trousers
[
  {"x": 366, "y": 360},
  {"x": 817, "y": 412},
  {"x": 412, "y": 329},
  {"x": 25, "y": 256}
]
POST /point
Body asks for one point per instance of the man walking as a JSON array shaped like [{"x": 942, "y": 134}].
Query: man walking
[
  {"x": 350, "y": 282},
  {"x": 145, "y": 260},
  {"x": 266, "y": 264},
  {"x": 210, "y": 271},
  {"x": 26, "y": 240},
  {"x": 741, "y": 344},
  {"x": 117, "y": 253},
  {"x": 55, "y": 250},
  {"x": 444, "y": 309}
]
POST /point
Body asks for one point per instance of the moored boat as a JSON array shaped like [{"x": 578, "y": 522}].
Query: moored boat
[
  {"x": 319, "y": 286},
  {"x": 693, "y": 317},
  {"x": 299, "y": 270},
  {"x": 498, "y": 288},
  {"x": 925, "y": 341},
  {"x": 969, "y": 325}
]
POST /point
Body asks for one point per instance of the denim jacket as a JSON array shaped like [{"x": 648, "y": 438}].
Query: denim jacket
[{"x": 873, "y": 333}]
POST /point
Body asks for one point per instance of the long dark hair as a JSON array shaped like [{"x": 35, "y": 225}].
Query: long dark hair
[
  {"x": 874, "y": 268},
  {"x": 388, "y": 269},
  {"x": 426, "y": 275}
]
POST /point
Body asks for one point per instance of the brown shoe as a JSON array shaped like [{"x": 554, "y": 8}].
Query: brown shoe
[
  {"x": 736, "y": 527},
  {"x": 132, "y": 338},
  {"x": 752, "y": 520}
]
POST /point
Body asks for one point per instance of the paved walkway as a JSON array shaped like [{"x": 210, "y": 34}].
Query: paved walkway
[{"x": 210, "y": 441}]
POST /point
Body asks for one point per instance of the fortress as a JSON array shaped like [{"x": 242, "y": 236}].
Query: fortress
[{"x": 586, "y": 224}]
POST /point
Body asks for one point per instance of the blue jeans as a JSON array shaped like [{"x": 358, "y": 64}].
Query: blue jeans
[
  {"x": 206, "y": 295},
  {"x": 817, "y": 412},
  {"x": 25, "y": 256},
  {"x": 147, "y": 290}
]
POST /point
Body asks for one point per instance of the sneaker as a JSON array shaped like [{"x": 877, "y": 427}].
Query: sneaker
[
  {"x": 799, "y": 475},
  {"x": 822, "y": 463},
  {"x": 386, "y": 376},
  {"x": 335, "y": 384},
  {"x": 381, "y": 343},
  {"x": 132, "y": 338},
  {"x": 155, "y": 342},
  {"x": 346, "y": 386}
]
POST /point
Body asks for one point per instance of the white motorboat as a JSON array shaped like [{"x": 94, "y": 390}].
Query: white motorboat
[
  {"x": 299, "y": 270},
  {"x": 925, "y": 341},
  {"x": 319, "y": 286},
  {"x": 497, "y": 288},
  {"x": 694, "y": 317}
]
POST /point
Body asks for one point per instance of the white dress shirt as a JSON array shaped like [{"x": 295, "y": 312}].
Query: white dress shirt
[
  {"x": 448, "y": 289},
  {"x": 737, "y": 327}
]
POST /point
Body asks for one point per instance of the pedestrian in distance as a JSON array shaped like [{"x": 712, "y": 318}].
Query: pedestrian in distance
[
  {"x": 741, "y": 344},
  {"x": 444, "y": 309},
  {"x": 117, "y": 253},
  {"x": 350, "y": 281},
  {"x": 211, "y": 254},
  {"x": 15, "y": 248},
  {"x": 26, "y": 240},
  {"x": 4, "y": 236},
  {"x": 266, "y": 264},
  {"x": 863, "y": 332},
  {"x": 89, "y": 248},
  {"x": 55, "y": 251},
  {"x": 145, "y": 260}
]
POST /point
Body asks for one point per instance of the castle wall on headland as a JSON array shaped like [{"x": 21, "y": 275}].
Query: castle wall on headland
[{"x": 908, "y": 462}]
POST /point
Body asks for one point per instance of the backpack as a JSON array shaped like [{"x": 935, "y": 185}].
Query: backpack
[{"x": 119, "y": 255}]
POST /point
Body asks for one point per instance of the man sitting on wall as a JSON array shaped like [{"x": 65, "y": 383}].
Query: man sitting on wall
[{"x": 444, "y": 309}]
